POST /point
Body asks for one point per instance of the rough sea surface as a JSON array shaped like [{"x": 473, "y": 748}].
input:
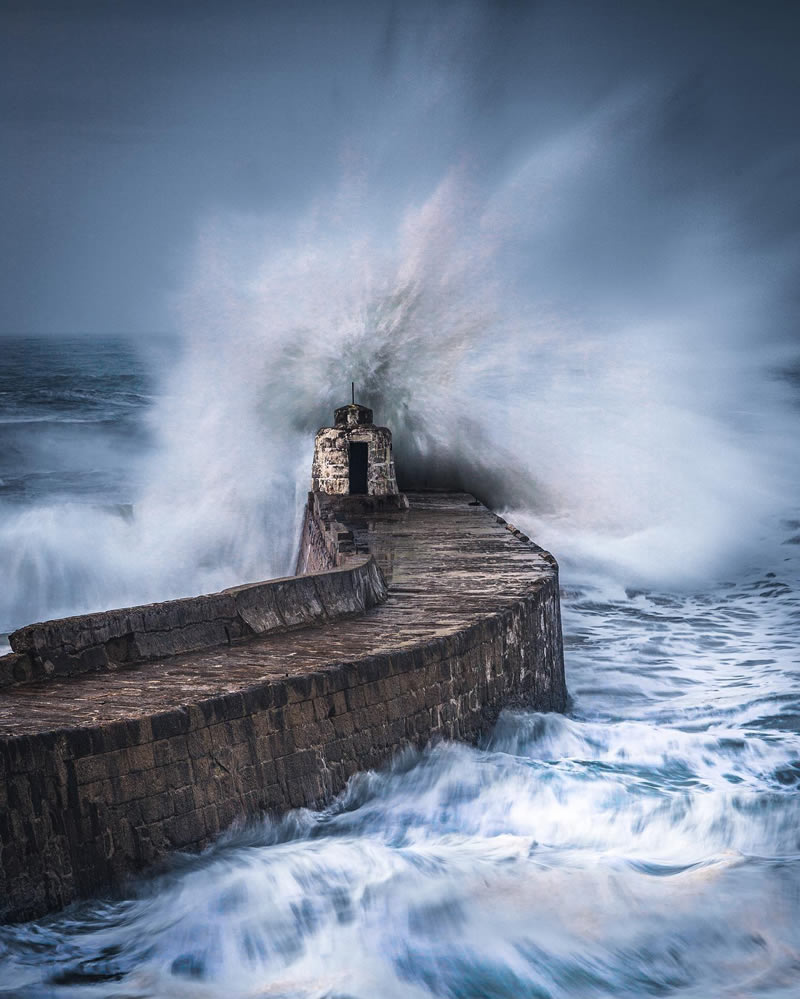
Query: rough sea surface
[
  {"x": 71, "y": 433},
  {"x": 645, "y": 844}
]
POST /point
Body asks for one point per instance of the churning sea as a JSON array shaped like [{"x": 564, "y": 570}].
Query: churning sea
[{"x": 647, "y": 843}]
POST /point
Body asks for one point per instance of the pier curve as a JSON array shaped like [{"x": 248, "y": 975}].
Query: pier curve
[{"x": 105, "y": 772}]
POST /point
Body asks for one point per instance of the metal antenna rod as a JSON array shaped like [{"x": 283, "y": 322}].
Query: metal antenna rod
[{"x": 353, "y": 390}]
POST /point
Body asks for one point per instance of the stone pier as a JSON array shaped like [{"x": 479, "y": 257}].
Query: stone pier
[{"x": 129, "y": 734}]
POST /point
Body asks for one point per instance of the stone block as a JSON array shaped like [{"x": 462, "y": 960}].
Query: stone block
[{"x": 170, "y": 723}]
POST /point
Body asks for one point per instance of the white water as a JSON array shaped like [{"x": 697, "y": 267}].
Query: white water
[
  {"x": 641, "y": 438},
  {"x": 560, "y": 296},
  {"x": 645, "y": 845},
  {"x": 588, "y": 329}
]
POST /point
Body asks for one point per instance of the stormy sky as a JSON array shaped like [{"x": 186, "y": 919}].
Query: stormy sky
[{"x": 125, "y": 125}]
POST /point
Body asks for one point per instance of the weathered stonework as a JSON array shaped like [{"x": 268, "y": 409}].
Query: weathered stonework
[
  {"x": 325, "y": 542},
  {"x": 330, "y": 472},
  {"x": 103, "y": 773},
  {"x": 122, "y": 639}
]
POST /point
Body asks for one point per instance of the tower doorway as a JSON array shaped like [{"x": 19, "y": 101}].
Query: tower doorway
[{"x": 358, "y": 454}]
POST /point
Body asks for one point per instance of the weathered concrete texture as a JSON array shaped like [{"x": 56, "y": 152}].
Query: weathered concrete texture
[
  {"x": 104, "y": 773},
  {"x": 123, "y": 638}
]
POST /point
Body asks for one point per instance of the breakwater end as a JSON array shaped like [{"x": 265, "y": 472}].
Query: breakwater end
[{"x": 421, "y": 623}]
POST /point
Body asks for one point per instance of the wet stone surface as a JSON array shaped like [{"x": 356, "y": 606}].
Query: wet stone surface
[
  {"x": 447, "y": 564},
  {"x": 102, "y": 774}
]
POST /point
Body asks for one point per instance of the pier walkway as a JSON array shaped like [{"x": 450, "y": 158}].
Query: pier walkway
[
  {"x": 104, "y": 772},
  {"x": 448, "y": 563}
]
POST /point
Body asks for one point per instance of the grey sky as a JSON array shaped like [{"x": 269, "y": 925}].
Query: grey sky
[{"x": 124, "y": 125}]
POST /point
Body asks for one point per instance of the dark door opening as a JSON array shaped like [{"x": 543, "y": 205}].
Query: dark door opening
[{"x": 358, "y": 456}]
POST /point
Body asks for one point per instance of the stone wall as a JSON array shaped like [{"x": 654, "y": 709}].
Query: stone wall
[
  {"x": 82, "y": 809},
  {"x": 121, "y": 639},
  {"x": 330, "y": 471},
  {"x": 325, "y": 542}
]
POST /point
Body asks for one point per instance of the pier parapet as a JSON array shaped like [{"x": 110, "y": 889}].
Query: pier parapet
[{"x": 156, "y": 728}]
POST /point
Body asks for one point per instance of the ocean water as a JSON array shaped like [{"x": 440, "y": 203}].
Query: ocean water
[
  {"x": 71, "y": 433},
  {"x": 70, "y": 419},
  {"x": 99, "y": 505},
  {"x": 645, "y": 844},
  {"x": 555, "y": 245}
]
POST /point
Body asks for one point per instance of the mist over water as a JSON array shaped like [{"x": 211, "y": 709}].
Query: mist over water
[
  {"x": 550, "y": 263},
  {"x": 556, "y": 249},
  {"x": 643, "y": 437}
]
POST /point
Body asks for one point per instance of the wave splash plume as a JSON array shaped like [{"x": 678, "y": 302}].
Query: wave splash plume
[
  {"x": 562, "y": 301},
  {"x": 560, "y": 291}
]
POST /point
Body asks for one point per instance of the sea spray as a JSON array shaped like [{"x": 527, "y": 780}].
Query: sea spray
[
  {"x": 558, "y": 260},
  {"x": 649, "y": 438}
]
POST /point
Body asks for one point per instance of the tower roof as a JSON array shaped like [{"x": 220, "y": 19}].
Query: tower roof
[{"x": 352, "y": 415}]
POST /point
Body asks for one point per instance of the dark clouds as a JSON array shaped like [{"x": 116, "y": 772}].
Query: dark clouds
[{"x": 124, "y": 125}]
